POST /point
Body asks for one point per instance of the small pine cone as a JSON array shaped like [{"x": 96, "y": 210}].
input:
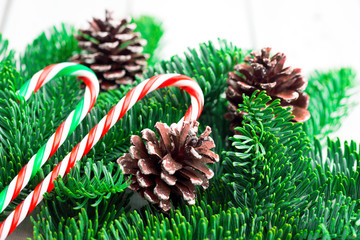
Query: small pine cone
[
  {"x": 262, "y": 72},
  {"x": 171, "y": 166},
  {"x": 113, "y": 51}
]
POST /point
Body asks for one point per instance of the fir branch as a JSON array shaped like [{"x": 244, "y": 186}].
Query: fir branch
[
  {"x": 338, "y": 172},
  {"x": 330, "y": 100},
  {"x": 306, "y": 198},
  {"x": 84, "y": 225},
  {"x": 6, "y": 55},
  {"x": 335, "y": 218},
  {"x": 194, "y": 222},
  {"x": 53, "y": 46},
  {"x": 269, "y": 152},
  {"x": 151, "y": 30},
  {"x": 268, "y": 173},
  {"x": 98, "y": 182}
]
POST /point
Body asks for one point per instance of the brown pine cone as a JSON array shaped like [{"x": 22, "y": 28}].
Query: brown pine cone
[
  {"x": 262, "y": 72},
  {"x": 171, "y": 166},
  {"x": 112, "y": 50}
]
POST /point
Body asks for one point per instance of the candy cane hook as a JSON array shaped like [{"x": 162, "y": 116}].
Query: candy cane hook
[
  {"x": 97, "y": 132},
  {"x": 10, "y": 192}
]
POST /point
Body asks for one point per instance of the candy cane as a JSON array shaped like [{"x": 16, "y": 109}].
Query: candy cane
[
  {"x": 97, "y": 132},
  {"x": 10, "y": 192}
]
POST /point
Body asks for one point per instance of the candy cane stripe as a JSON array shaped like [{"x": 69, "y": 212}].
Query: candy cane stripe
[
  {"x": 54, "y": 174},
  {"x": 72, "y": 158},
  {"x": 43, "y": 76},
  {"x": 90, "y": 139},
  {"x": 19, "y": 182},
  {"x": 35, "y": 197},
  {"x": 109, "y": 118},
  {"x": 57, "y": 139}
]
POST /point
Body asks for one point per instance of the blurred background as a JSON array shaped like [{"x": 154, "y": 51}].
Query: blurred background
[{"x": 313, "y": 34}]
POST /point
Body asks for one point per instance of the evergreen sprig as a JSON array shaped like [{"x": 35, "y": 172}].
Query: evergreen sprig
[
  {"x": 330, "y": 100},
  {"x": 305, "y": 197},
  {"x": 6, "y": 54},
  {"x": 268, "y": 172},
  {"x": 194, "y": 222},
  {"x": 98, "y": 182},
  {"x": 339, "y": 170}
]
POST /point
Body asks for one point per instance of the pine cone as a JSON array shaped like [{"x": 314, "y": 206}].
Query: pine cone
[
  {"x": 113, "y": 51},
  {"x": 172, "y": 166},
  {"x": 267, "y": 73}
]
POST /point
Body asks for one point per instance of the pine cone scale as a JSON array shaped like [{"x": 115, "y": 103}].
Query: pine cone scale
[
  {"x": 154, "y": 150},
  {"x": 144, "y": 180},
  {"x": 151, "y": 197},
  {"x": 164, "y": 132},
  {"x": 100, "y": 68},
  {"x": 147, "y": 167},
  {"x": 288, "y": 95},
  {"x": 161, "y": 190},
  {"x": 124, "y": 81},
  {"x": 112, "y": 76},
  {"x": 128, "y": 167},
  {"x": 169, "y": 179},
  {"x": 170, "y": 165},
  {"x": 201, "y": 167},
  {"x": 187, "y": 193},
  {"x": 301, "y": 114}
]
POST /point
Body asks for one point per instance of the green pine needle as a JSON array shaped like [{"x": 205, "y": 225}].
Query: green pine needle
[
  {"x": 6, "y": 55},
  {"x": 330, "y": 100}
]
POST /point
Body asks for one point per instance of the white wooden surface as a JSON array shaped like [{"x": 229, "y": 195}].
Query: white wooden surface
[{"x": 313, "y": 34}]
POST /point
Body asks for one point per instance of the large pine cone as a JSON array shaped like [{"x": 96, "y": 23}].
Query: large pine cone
[
  {"x": 262, "y": 72},
  {"x": 172, "y": 166},
  {"x": 113, "y": 51}
]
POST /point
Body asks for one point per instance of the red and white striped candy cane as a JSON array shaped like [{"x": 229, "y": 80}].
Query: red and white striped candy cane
[
  {"x": 97, "y": 132},
  {"x": 11, "y": 191}
]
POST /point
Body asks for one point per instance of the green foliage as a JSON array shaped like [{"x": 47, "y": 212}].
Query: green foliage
[
  {"x": 95, "y": 193},
  {"x": 339, "y": 170},
  {"x": 151, "y": 30},
  {"x": 53, "y": 46},
  {"x": 270, "y": 175},
  {"x": 6, "y": 55},
  {"x": 332, "y": 219},
  {"x": 268, "y": 171},
  {"x": 85, "y": 224},
  {"x": 330, "y": 94},
  {"x": 194, "y": 222},
  {"x": 97, "y": 182}
]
